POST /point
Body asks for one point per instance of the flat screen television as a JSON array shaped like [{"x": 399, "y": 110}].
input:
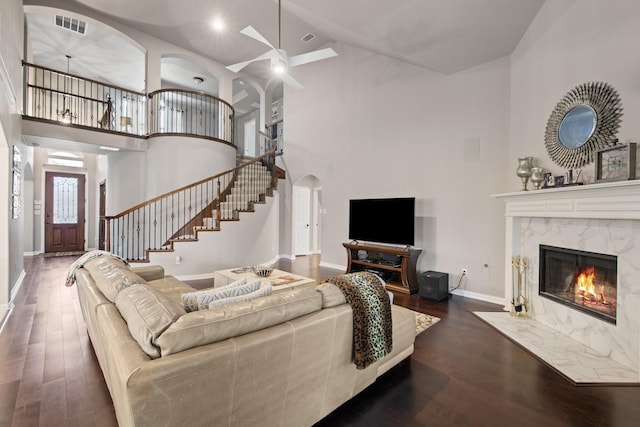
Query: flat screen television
[{"x": 383, "y": 220}]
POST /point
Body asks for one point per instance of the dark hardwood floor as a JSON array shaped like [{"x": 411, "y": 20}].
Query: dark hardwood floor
[{"x": 463, "y": 373}]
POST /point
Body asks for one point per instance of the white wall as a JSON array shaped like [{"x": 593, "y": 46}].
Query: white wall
[
  {"x": 11, "y": 239},
  {"x": 371, "y": 126},
  {"x": 173, "y": 162},
  {"x": 125, "y": 181},
  {"x": 169, "y": 163},
  {"x": 570, "y": 43}
]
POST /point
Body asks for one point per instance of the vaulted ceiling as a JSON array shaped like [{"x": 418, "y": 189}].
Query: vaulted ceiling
[{"x": 446, "y": 36}]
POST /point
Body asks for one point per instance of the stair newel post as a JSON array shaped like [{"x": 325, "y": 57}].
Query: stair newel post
[
  {"x": 107, "y": 233},
  {"x": 272, "y": 166},
  {"x": 218, "y": 213}
]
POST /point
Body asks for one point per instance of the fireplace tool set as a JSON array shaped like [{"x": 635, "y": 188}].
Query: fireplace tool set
[{"x": 520, "y": 299}]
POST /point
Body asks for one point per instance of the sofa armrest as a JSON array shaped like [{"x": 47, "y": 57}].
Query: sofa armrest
[{"x": 149, "y": 272}]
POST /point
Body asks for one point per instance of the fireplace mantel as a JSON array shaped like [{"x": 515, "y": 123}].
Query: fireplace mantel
[
  {"x": 599, "y": 218},
  {"x": 612, "y": 200}
]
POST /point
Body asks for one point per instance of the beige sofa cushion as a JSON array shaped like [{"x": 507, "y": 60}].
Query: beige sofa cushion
[
  {"x": 171, "y": 287},
  {"x": 331, "y": 295},
  {"x": 149, "y": 272},
  {"x": 208, "y": 326},
  {"x": 111, "y": 275},
  {"x": 148, "y": 314},
  {"x": 200, "y": 300},
  {"x": 264, "y": 291}
]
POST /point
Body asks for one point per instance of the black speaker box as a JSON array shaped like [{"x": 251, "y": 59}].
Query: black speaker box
[{"x": 434, "y": 285}]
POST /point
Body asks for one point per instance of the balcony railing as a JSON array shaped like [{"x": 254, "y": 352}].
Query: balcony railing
[
  {"x": 72, "y": 100},
  {"x": 67, "y": 99},
  {"x": 180, "y": 112}
]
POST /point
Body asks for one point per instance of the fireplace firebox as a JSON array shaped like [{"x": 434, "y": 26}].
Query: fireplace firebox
[{"x": 585, "y": 281}]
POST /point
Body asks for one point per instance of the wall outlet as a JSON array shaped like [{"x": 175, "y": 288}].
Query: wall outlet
[{"x": 464, "y": 271}]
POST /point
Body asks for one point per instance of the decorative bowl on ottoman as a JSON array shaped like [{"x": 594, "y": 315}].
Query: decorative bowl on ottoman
[{"x": 263, "y": 270}]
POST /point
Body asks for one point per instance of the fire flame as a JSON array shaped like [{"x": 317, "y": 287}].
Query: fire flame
[{"x": 586, "y": 287}]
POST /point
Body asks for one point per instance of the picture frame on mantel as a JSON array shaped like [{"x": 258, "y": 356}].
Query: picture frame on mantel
[{"x": 617, "y": 163}]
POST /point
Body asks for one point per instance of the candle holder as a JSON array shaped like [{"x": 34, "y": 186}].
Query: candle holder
[
  {"x": 537, "y": 177},
  {"x": 524, "y": 170}
]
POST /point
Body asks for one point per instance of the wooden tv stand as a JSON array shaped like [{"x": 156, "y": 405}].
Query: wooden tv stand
[{"x": 398, "y": 263}]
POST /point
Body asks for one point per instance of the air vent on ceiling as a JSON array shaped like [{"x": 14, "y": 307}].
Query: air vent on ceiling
[
  {"x": 72, "y": 24},
  {"x": 308, "y": 37}
]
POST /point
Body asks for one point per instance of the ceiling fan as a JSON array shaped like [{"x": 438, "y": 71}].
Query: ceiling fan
[{"x": 280, "y": 61}]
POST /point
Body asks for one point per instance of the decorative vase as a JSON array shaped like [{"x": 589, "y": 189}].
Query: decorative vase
[
  {"x": 524, "y": 170},
  {"x": 537, "y": 177}
]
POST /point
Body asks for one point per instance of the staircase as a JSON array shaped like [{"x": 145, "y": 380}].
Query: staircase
[
  {"x": 250, "y": 186},
  {"x": 180, "y": 215}
]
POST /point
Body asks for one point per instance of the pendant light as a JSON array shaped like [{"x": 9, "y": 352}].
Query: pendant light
[{"x": 66, "y": 116}]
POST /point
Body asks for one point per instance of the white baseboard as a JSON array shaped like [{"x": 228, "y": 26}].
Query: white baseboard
[
  {"x": 482, "y": 297},
  {"x": 7, "y": 309},
  {"x": 5, "y": 312},
  {"x": 286, "y": 256},
  {"x": 333, "y": 266},
  {"x": 34, "y": 253},
  {"x": 17, "y": 286}
]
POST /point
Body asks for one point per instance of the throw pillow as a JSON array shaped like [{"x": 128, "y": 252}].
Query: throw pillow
[
  {"x": 190, "y": 299},
  {"x": 239, "y": 282},
  {"x": 148, "y": 314},
  {"x": 200, "y": 300},
  {"x": 262, "y": 292}
]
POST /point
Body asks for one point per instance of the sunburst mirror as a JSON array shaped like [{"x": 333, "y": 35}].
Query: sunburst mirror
[{"x": 585, "y": 120}]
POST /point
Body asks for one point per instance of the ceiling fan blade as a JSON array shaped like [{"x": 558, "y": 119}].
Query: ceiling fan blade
[
  {"x": 316, "y": 55},
  {"x": 254, "y": 34},
  {"x": 240, "y": 65},
  {"x": 286, "y": 77}
]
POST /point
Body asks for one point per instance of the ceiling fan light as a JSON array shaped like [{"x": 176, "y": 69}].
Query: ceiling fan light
[{"x": 278, "y": 66}]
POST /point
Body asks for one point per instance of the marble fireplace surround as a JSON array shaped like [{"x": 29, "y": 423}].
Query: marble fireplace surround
[{"x": 604, "y": 218}]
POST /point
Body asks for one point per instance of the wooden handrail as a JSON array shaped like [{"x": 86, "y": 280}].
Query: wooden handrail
[
  {"x": 187, "y": 187},
  {"x": 179, "y": 214}
]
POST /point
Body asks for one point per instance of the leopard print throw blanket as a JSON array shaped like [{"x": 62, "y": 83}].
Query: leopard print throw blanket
[{"x": 372, "y": 337}]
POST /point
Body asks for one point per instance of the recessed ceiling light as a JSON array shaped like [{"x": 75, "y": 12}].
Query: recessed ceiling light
[
  {"x": 197, "y": 80},
  {"x": 217, "y": 23}
]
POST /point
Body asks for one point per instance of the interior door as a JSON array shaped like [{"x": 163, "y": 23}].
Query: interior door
[
  {"x": 250, "y": 138},
  {"x": 64, "y": 212},
  {"x": 302, "y": 220}
]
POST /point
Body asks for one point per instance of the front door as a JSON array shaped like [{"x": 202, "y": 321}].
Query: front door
[{"x": 64, "y": 212}]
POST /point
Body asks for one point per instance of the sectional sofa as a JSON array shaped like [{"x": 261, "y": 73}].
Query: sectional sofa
[{"x": 280, "y": 360}]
